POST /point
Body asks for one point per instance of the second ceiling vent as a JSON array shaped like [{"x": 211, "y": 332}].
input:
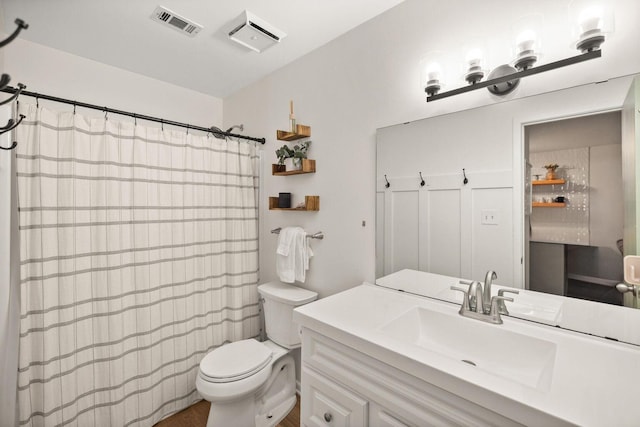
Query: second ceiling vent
[{"x": 175, "y": 21}]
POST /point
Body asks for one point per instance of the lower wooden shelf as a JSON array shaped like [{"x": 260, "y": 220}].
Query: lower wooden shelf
[
  {"x": 548, "y": 182},
  {"x": 311, "y": 203},
  {"x": 546, "y": 205}
]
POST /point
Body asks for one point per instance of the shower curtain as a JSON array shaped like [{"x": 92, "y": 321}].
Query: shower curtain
[{"x": 138, "y": 255}]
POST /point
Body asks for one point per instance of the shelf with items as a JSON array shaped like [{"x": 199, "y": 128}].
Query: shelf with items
[
  {"x": 308, "y": 166},
  {"x": 549, "y": 182},
  {"x": 549, "y": 204},
  {"x": 311, "y": 203},
  {"x": 302, "y": 131}
]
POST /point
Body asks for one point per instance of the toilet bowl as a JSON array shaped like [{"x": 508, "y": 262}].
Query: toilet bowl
[{"x": 251, "y": 383}]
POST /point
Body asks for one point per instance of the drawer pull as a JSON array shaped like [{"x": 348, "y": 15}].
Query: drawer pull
[{"x": 328, "y": 417}]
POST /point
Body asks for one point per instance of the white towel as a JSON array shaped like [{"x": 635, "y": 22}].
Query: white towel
[{"x": 292, "y": 255}]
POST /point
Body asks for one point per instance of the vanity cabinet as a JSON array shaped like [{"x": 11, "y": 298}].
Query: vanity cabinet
[{"x": 344, "y": 387}]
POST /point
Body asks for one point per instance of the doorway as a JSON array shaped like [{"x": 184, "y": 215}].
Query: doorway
[{"x": 575, "y": 221}]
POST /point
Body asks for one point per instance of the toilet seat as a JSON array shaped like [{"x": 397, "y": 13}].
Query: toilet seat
[{"x": 235, "y": 361}]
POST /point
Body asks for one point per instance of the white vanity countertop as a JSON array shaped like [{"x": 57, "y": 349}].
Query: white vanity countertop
[
  {"x": 594, "y": 380},
  {"x": 603, "y": 320}
]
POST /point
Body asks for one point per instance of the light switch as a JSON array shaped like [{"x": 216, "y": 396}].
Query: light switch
[{"x": 489, "y": 217}]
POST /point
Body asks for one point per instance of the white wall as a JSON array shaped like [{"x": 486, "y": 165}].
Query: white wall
[
  {"x": 53, "y": 72},
  {"x": 369, "y": 78}
]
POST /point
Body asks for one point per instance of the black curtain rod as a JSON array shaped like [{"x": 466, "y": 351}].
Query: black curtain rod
[{"x": 127, "y": 113}]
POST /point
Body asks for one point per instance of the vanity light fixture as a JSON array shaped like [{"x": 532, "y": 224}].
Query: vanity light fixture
[{"x": 505, "y": 78}]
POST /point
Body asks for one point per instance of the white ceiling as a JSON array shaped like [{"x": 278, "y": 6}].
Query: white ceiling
[{"x": 120, "y": 33}]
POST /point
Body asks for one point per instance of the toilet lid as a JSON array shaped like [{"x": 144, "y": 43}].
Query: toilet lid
[{"x": 235, "y": 361}]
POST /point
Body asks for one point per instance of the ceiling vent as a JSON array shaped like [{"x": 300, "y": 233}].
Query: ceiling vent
[
  {"x": 175, "y": 21},
  {"x": 254, "y": 33}
]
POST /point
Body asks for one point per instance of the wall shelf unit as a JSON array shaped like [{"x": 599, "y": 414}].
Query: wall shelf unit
[
  {"x": 311, "y": 203},
  {"x": 302, "y": 131},
  {"x": 549, "y": 205},
  {"x": 549, "y": 182},
  {"x": 308, "y": 166}
]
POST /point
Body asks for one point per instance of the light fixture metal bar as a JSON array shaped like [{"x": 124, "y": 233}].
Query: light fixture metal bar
[{"x": 524, "y": 73}]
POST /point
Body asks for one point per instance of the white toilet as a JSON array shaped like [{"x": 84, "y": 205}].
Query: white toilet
[{"x": 251, "y": 383}]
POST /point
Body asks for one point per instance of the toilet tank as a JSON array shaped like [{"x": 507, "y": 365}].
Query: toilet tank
[{"x": 279, "y": 301}]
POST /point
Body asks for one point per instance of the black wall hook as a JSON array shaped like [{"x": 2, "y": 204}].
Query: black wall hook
[
  {"x": 14, "y": 145},
  {"x": 421, "y": 180},
  {"x": 387, "y": 185},
  {"x": 465, "y": 181},
  {"x": 21, "y": 26},
  {"x": 15, "y": 95},
  {"x": 11, "y": 124}
]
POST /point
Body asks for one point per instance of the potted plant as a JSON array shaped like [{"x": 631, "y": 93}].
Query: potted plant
[
  {"x": 283, "y": 153},
  {"x": 295, "y": 153},
  {"x": 299, "y": 153},
  {"x": 551, "y": 171}
]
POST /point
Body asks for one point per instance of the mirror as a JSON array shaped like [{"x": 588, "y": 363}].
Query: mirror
[{"x": 473, "y": 212}]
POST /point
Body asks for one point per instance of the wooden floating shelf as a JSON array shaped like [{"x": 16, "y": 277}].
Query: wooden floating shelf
[
  {"x": 311, "y": 203},
  {"x": 308, "y": 166},
  {"x": 546, "y": 205},
  {"x": 549, "y": 182},
  {"x": 302, "y": 131}
]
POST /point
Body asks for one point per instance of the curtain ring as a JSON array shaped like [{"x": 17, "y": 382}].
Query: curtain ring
[
  {"x": 105, "y": 113},
  {"x": 37, "y": 101},
  {"x": 421, "y": 180},
  {"x": 162, "y": 124},
  {"x": 388, "y": 184},
  {"x": 74, "y": 108},
  {"x": 135, "y": 119},
  {"x": 187, "y": 128}
]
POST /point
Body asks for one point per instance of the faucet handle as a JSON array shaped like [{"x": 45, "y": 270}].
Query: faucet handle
[
  {"x": 495, "y": 313},
  {"x": 465, "y": 298},
  {"x": 502, "y": 308}
]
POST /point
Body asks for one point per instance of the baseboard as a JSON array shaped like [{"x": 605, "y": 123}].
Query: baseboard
[{"x": 298, "y": 387}]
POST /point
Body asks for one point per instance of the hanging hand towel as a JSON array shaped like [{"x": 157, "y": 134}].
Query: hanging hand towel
[{"x": 292, "y": 255}]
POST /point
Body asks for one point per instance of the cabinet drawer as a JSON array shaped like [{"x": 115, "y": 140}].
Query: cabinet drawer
[
  {"x": 380, "y": 417},
  {"x": 325, "y": 403}
]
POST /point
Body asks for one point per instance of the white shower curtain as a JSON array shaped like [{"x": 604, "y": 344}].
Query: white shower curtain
[{"x": 139, "y": 254}]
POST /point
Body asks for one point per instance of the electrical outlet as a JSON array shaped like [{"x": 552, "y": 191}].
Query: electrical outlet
[{"x": 489, "y": 217}]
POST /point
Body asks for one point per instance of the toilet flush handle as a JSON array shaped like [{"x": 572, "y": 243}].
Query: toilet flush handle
[{"x": 328, "y": 417}]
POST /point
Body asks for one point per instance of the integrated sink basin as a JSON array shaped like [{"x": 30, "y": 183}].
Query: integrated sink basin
[{"x": 491, "y": 348}]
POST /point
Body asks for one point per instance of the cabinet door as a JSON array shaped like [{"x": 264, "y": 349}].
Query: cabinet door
[{"x": 324, "y": 403}]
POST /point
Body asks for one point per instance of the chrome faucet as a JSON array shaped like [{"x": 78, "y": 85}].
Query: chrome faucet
[{"x": 474, "y": 297}]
